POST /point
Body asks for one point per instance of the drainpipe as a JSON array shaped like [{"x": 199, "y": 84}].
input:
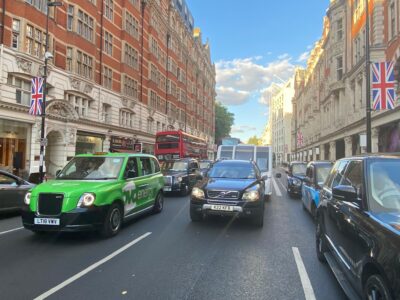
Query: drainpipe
[
  {"x": 3, "y": 16},
  {"x": 101, "y": 43}
]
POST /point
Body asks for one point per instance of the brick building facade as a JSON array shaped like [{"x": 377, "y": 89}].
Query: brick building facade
[{"x": 122, "y": 70}]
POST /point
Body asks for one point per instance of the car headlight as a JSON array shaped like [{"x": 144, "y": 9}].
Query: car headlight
[
  {"x": 296, "y": 182},
  {"x": 198, "y": 193},
  {"x": 251, "y": 196},
  {"x": 178, "y": 179},
  {"x": 87, "y": 199},
  {"x": 27, "y": 198}
]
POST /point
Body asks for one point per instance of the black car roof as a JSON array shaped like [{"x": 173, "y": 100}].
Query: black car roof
[
  {"x": 320, "y": 162},
  {"x": 374, "y": 156},
  {"x": 298, "y": 162}
]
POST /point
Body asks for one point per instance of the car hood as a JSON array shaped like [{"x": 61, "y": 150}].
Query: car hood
[
  {"x": 301, "y": 177},
  {"x": 73, "y": 188},
  {"x": 226, "y": 184},
  {"x": 391, "y": 219},
  {"x": 174, "y": 173}
]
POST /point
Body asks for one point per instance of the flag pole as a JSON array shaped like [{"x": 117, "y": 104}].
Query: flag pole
[{"x": 368, "y": 78}]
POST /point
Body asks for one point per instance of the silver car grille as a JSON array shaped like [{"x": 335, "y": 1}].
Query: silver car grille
[{"x": 223, "y": 195}]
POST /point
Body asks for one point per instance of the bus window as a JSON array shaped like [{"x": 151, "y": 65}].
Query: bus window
[
  {"x": 226, "y": 152},
  {"x": 244, "y": 152},
  {"x": 262, "y": 156}
]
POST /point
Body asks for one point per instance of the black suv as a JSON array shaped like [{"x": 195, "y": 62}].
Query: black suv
[
  {"x": 231, "y": 188},
  {"x": 358, "y": 226},
  {"x": 296, "y": 173},
  {"x": 180, "y": 175}
]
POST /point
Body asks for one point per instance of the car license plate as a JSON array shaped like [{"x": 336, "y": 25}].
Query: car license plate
[
  {"x": 222, "y": 207},
  {"x": 47, "y": 221},
  {"x": 167, "y": 189}
]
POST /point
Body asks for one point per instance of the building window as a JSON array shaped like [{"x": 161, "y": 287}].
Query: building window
[
  {"x": 85, "y": 25},
  {"x": 153, "y": 99},
  {"x": 84, "y": 65},
  {"x": 339, "y": 29},
  {"x": 80, "y": 104},
  {"x": 108, "y": 43},
  {"x": 16, "y": 28},
  {"x": 150, "y": 125},
  {"x": 35, "y": 41},
  {"x": 23, "y": 89},
  {"x": 131, "y": 57},
  {"x": 131, "y": 25},
  {"x": 69, "y": 59},
  {"x": 70, "y": 18},
  {"x": 106, "y": 113},
  {"x": 107, "y": 78},
  {"x": 109, "y": 9},
  {"x": 126, "y": 118},
  {"x": 339, "y": 67},
  {"x": 130, "y": 87}
]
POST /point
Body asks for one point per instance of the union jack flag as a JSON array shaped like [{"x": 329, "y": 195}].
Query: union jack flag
[
  {"x": 383, "y": 95},
  {"x": 300, "y": 139},
  {"x": 37, "y": 96}
]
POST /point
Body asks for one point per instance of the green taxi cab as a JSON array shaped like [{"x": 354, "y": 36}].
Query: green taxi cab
[{"x": 96, "y": 192}]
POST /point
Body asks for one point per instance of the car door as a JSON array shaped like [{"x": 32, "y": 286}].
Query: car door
[
  {"x": 306, "y": 187},
  {"x": 156, "y": 183},
  {"x": 193, "y": 173},
  {"x": 133, "y": 199},
  {"x": 146, "y": 186},
  {"x": 351, "y": 242},
  {"x": 11, "y": 192}
]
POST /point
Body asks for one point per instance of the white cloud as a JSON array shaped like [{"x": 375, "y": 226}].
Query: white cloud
[
  {"x": 304, "y": 56},
  {"x": 242, "y": 129},
  {"x": 239, "y": 79}
]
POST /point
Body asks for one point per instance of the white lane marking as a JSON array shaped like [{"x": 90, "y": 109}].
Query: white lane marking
[
  {"x": 11, "y": 230},
  {"x": 280, "y": 182},
  {"x": 276, "y": 187},
  {"x": 305, "y": 281},
  {"x": 90, "y": 268}
]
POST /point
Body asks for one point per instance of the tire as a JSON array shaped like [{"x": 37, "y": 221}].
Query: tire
[
  {"x": 375, "y": 284},
  {"x": 113, "y": 221},
  {"x": 320, "y": 244},
  {"x": 159, "y": 203},
  {"x": 258, "y": 221},
  {"x": 195, "y": 216}
]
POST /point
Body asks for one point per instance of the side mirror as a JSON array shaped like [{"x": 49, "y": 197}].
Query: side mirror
[
  {"x": 58, "y": 172},
  {"x": 278, "y": 175},
  {"x": 264, "y": 177},
  {"x": 345, "y": 193}
]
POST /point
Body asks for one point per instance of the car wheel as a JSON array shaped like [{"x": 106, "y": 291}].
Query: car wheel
[
  {"x": 320, "y": 243},
  {"x": 376, "y": 288},
  {"x": 258, "y": 221},
  {"x": 195, "y": 216},
  {"x": 159, "y": 203},
  {"x": 113, "y": 221}
]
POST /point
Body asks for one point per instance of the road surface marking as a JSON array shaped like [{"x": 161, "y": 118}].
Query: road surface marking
[
  {"x": 11, "y": 230},
  {"x": 280, "y": 182},
  {"x": 305, "y": 281},
  {"x": 276, "y": 187},
  {"x": 90, "y": 268}
]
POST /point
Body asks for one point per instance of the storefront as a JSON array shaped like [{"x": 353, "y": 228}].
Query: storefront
[
  {"x": 123, "y": 144},
  {"x": 14, "y": 146},
  {"x": 88, "y": 143}
]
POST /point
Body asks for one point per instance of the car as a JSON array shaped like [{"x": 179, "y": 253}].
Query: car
[
  {"x": 358, "y": 225},
  {"x": 12, "y": 191},
  {"x": 205, "y": 165},
  {"x": 316, "y": 174},
  {"x": 295, "y": 175},
  {"x": 232, "y": 188},
  {"x": 96, "y": 192},
  {"x": 180, "y": 175}
]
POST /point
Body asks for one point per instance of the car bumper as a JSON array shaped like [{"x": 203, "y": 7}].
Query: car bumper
[
  {"x": 241, "y": 209},
  {"x": 294, "y": 189},
  {"x": 79, "y": 219},
  {"x": 174, "y": 188}
]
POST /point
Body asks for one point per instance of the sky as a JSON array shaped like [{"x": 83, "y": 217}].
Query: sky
[{"x": 255, "y": 43}]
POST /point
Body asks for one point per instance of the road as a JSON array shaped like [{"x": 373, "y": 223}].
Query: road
[{"x": 166, "y": 256}]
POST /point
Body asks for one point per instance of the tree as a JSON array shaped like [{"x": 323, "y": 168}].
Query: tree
[
  {"x": 223, "y": 122},
  {"x": 254, "y": 140}
]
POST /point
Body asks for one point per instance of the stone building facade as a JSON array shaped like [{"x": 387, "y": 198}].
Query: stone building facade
[
  {"x": 121, "y": 71},
  {"x": 330, "y": 94}
]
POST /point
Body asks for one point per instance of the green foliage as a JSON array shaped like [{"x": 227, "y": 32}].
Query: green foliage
[
  {"x": 254, "y": 140},
  {"x": 223, "y": 122}
]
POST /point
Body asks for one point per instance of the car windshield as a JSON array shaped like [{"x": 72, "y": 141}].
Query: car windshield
[
  {"x": 204, "y": 165},
  {"x": 178, "y": 166},
  {"x": 240, "y": 171},
  {"x": 384, "y": 187},
  {"x": 92, "y": 168},
  {"x": 322, "y": 174},
  {"x": 299, "y": 169}
]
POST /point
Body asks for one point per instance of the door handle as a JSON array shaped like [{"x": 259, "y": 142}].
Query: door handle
[{"x": 143, "y": 186}]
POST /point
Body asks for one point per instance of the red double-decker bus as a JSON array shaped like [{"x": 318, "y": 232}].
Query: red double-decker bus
[{"x": 179, "y": 144}]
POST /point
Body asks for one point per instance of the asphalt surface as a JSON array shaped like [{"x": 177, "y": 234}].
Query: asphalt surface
[{"x": 214, "y": 259}]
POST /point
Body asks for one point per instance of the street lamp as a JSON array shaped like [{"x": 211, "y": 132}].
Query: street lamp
[
  {"x": 368, "y": 79},
  {"x": 47, "y": 56}
]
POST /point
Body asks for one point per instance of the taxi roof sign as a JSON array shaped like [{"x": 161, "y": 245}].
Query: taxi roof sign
[{"x": 100, "y": 153}]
